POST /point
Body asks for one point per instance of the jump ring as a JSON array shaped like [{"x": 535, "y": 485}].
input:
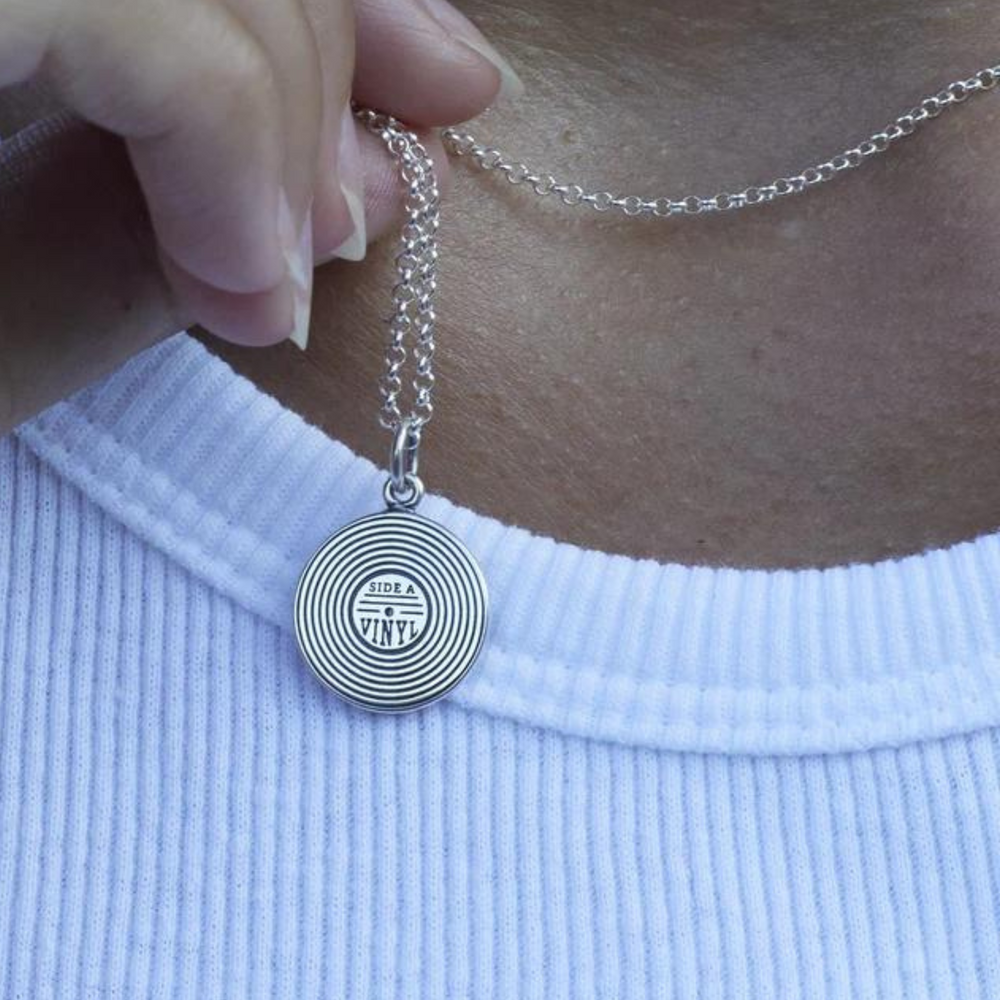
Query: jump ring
[
  {"x": 404, "y": 458},
  {"x": 407, "y": 498}
]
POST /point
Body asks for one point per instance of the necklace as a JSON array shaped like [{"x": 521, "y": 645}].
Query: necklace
[{"x": 391, "y": 611}]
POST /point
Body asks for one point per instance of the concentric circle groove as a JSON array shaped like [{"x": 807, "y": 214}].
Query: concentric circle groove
[{"x": 391, "y": 611}]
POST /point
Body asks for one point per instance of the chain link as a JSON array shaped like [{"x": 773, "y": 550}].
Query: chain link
[
  {"x": 485, "y": 157},
  {"x": 411, "y": 325}
]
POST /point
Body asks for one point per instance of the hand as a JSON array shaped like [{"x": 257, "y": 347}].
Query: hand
[{"x": 238, "y": 142}]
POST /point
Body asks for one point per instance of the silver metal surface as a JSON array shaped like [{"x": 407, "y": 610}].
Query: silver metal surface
[
  {"x": 404, "y": 462},
  {"x": 464, "y": 144},
  {"x": 405, "y": 498},
  {"x": 391, "y": 612}
]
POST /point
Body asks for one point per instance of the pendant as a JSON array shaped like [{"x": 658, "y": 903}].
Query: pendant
[{"x": 391, "y": 611}]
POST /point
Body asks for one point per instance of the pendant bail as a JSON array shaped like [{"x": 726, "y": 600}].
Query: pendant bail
[{"x": 403, "y": 488}]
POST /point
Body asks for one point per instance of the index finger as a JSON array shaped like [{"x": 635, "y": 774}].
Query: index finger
[{"x": 426, "y": 63}]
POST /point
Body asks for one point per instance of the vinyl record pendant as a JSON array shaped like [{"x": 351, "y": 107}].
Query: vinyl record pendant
[{"x": 391, "y": 611}]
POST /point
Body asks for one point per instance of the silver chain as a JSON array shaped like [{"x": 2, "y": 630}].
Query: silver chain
[
  {"x": 411, "y": 324},
  {"x": 487, "y": 158}
]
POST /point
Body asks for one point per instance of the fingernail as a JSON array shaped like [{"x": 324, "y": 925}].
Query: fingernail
[
  {"x": 350, "y": 171},
  {"x": 299, "y": 260},
  {"x": 459, "y": 26}
]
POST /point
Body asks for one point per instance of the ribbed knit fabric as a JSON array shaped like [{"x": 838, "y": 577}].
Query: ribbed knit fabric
[{"x": 659, "y": 781}]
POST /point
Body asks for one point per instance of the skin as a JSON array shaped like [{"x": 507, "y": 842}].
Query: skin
[
  {"x": 173, "y": 163},
  {"x": 807, "y": 384},
  {"x": 811, "y": 383}
]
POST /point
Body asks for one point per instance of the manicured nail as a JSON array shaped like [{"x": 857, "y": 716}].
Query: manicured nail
[
  {"x": 460, "y": 27},
  {"x": 299, "y": 259},
  {"x": 351, "y": 173}
]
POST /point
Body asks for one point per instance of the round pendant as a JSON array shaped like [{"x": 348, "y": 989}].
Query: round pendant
[{"x": 391, "y": 611}]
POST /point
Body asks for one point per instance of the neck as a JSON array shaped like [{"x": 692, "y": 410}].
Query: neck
[{"x": 802, "y": 384}]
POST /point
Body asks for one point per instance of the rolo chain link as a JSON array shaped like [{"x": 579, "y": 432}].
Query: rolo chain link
[
  {"x": 488, "y": 158},
  {"x": 413, "y": 316}
]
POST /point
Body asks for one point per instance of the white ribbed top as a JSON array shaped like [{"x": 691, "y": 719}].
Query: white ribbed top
[
  {"x": 185, "y": 812},
  {"x": 201, "y": 464}
]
